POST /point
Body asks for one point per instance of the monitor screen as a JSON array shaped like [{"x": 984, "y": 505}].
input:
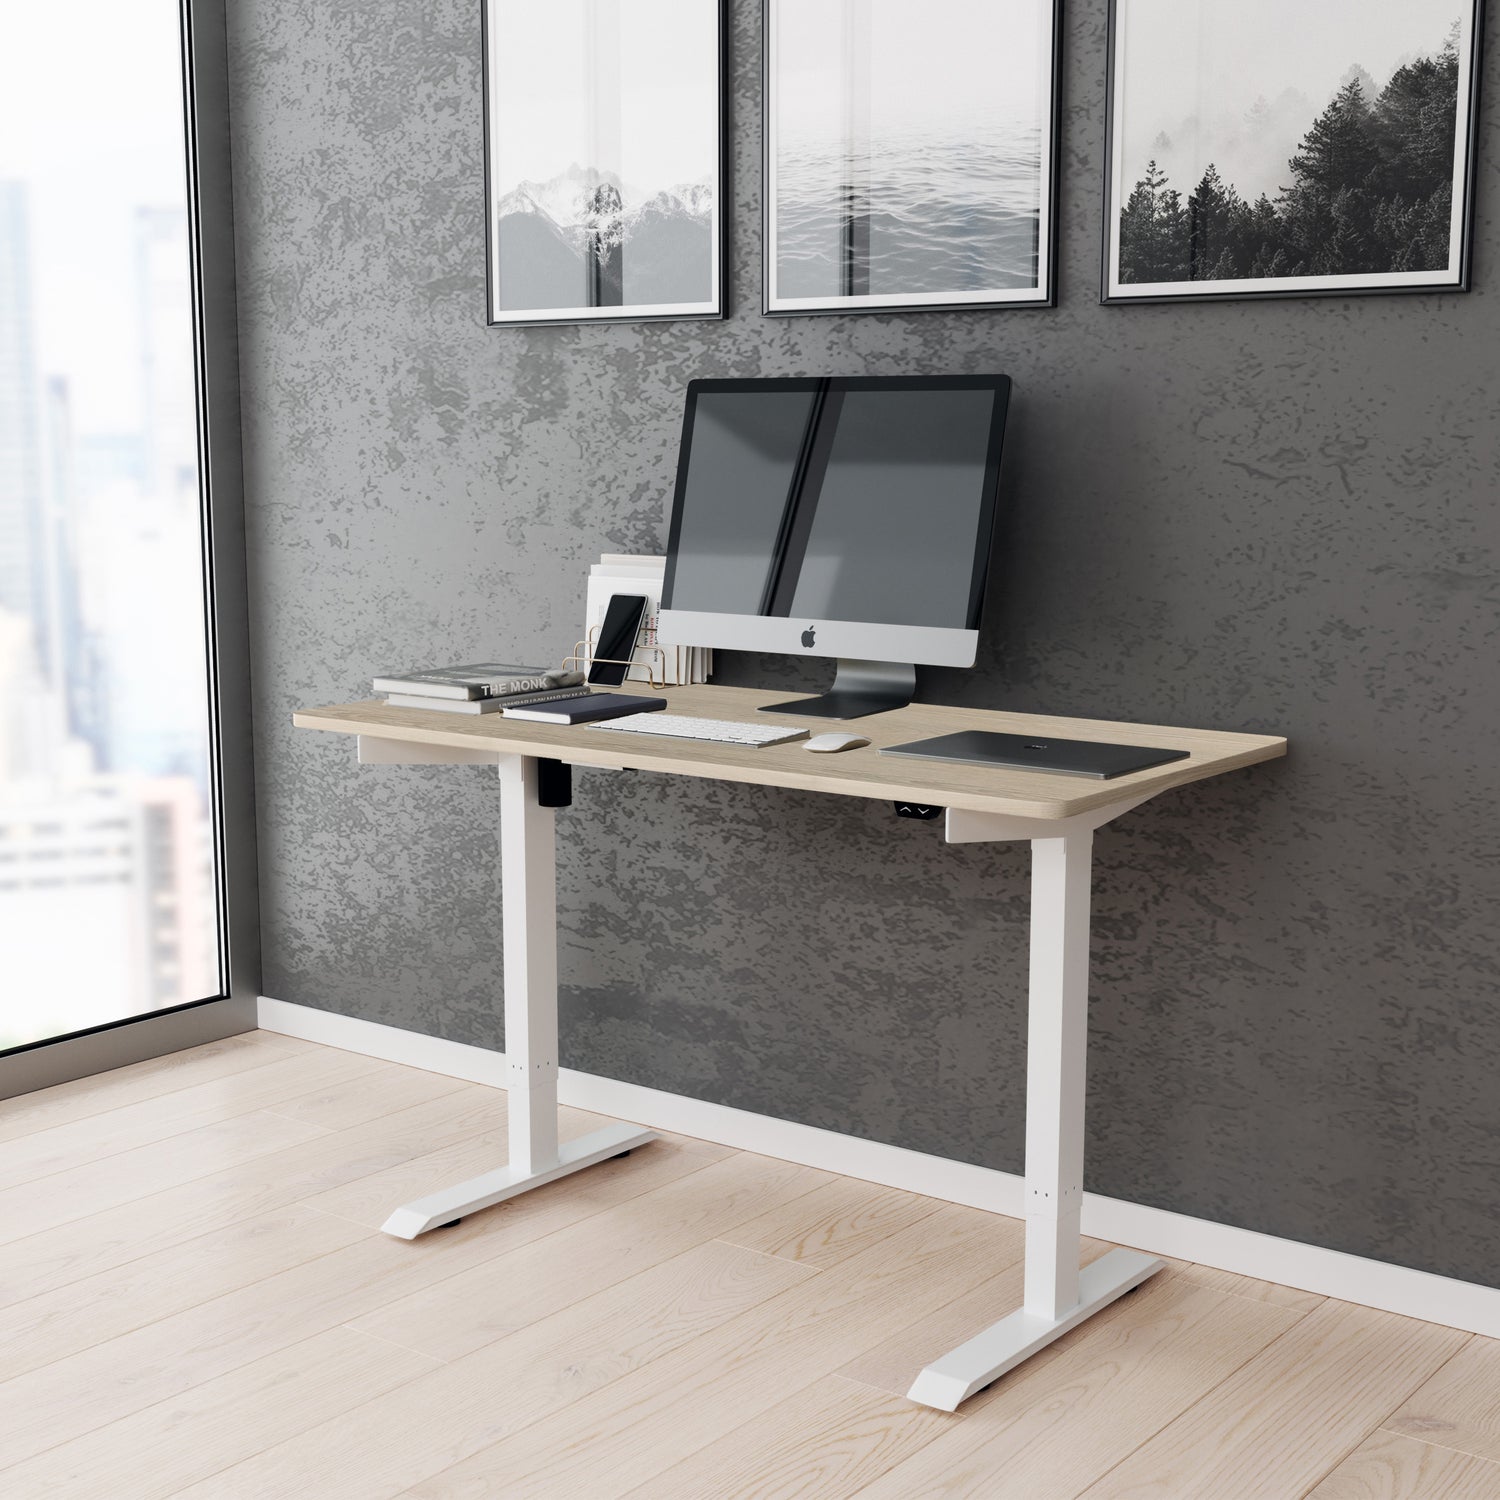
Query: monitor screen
[{"x": 867, "y": 500}]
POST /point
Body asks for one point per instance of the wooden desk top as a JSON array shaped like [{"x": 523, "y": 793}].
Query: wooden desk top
[{"x": 849, "y": 773}]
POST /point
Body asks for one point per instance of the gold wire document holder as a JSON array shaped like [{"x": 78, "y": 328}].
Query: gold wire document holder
[{"x": 583, "y": 658}]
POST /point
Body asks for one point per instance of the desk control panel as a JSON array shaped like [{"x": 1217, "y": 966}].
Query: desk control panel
[{"x": 919, "y": 810}]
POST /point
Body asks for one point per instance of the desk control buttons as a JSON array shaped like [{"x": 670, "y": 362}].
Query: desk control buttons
[{"x": 920, "y": 811}]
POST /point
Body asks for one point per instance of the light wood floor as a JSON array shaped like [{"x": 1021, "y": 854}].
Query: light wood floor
[{"x": 195, "y": 1300}]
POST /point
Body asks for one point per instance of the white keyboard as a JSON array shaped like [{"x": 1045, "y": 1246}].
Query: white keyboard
[{"x": 682, "y": 727}]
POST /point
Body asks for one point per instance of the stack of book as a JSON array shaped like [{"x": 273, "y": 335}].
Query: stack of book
[
  {"x": 626, "y": 573},
  {"x": 478, "y": 687}
]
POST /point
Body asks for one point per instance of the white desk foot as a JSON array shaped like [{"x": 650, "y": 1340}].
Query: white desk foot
[
  {"x": 987, "y": 1356},
  {"x": 438, "y": 1209}
]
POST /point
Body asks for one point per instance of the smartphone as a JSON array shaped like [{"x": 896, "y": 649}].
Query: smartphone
[{"x": 614, "y": 646}]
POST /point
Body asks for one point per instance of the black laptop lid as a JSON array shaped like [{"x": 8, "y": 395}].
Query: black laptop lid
[{"x": 982, "y": 747}]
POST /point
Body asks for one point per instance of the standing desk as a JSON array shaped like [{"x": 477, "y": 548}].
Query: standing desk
[{"x": 1056, "y": 814}]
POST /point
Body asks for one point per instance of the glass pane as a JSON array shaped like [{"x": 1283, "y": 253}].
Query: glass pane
[{"x": 108, "y": 889}]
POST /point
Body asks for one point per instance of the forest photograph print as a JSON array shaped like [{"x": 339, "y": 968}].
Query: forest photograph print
[{"x": 1289, "y": 148}]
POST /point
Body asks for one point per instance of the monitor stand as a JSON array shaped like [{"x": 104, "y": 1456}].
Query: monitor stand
[{"x": 859, "y": 688}]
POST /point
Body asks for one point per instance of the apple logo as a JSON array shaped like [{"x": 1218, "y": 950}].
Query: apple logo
[{"x": 809, "y": 638}]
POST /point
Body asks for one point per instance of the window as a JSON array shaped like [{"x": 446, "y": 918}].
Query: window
[{"x": 112, "y": 898}]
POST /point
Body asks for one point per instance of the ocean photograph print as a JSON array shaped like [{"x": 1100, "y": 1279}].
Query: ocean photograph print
[
  {"x": 910, "y": 154},
  {"x": 1289, "y": 148},
  {"x": 604, "y": 160}
]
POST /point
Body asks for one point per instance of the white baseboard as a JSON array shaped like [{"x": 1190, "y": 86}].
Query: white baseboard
[
  {"x": 390, "y": 1043},
  {"x": 1310, "y": 1268}
]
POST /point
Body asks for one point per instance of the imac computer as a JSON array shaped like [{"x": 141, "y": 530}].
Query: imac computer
[{"x": 846, "y": 517}]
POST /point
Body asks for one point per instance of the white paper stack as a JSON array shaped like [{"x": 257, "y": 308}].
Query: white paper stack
[{"x": 620, "y": 573}]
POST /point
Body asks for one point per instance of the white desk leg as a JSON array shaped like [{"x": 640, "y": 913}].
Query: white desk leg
[
  {"x": 1058, "y": 1295},
  {"x": 528, "y": 888},
  {"x": 528, "y": 876}
]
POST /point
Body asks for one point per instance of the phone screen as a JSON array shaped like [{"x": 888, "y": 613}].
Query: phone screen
[{"x": 615, "y": 644}]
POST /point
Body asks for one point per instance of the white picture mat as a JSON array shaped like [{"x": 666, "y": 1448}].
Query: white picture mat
[{"x": 1118, "y": 192}]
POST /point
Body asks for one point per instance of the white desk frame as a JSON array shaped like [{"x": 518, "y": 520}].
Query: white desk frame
[
  {"x": 1058, "y": 1294},
  {"x": 528, "y": 896}
]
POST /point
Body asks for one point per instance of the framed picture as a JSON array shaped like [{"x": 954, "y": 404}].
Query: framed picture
[
  {"x": 604, "y": 159},
  {"x": 1289, "y": 148},
  {"x": 910, "y": 154}
]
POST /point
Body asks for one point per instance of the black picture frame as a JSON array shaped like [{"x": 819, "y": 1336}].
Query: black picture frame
[
  {"x": 714, "y": 308},
  {"x": 1456, "y": 279},
  {"x": 774, "y": 305}
]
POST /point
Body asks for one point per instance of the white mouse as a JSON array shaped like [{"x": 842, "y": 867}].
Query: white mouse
[{"x": 835, "y": 741}]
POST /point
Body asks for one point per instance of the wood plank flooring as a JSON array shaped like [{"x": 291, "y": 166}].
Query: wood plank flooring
[{"x": 196, "y": 1301}]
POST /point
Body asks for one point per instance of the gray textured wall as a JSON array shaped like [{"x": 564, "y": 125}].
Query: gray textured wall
[{"x": 1277, "y": 517}]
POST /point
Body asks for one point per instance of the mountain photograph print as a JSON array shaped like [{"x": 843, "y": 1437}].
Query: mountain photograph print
[
  {"x": 604, "y": 159},
  {"x": 909, "y": 154},
  {"x": 1289, "y": 148}
]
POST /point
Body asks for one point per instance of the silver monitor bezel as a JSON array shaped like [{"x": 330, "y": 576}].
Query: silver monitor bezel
[{"x": 926, "y": 645}]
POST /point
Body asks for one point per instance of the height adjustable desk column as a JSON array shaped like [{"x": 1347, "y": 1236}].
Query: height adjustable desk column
[
  {"x": 1058, "y": 815},
  {"x": 528, "y": 916},
  {"x": 1058, "y": 1294}
]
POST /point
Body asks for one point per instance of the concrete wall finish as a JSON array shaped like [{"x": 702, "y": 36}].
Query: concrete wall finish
[{"x": 1276, "y": 517}]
